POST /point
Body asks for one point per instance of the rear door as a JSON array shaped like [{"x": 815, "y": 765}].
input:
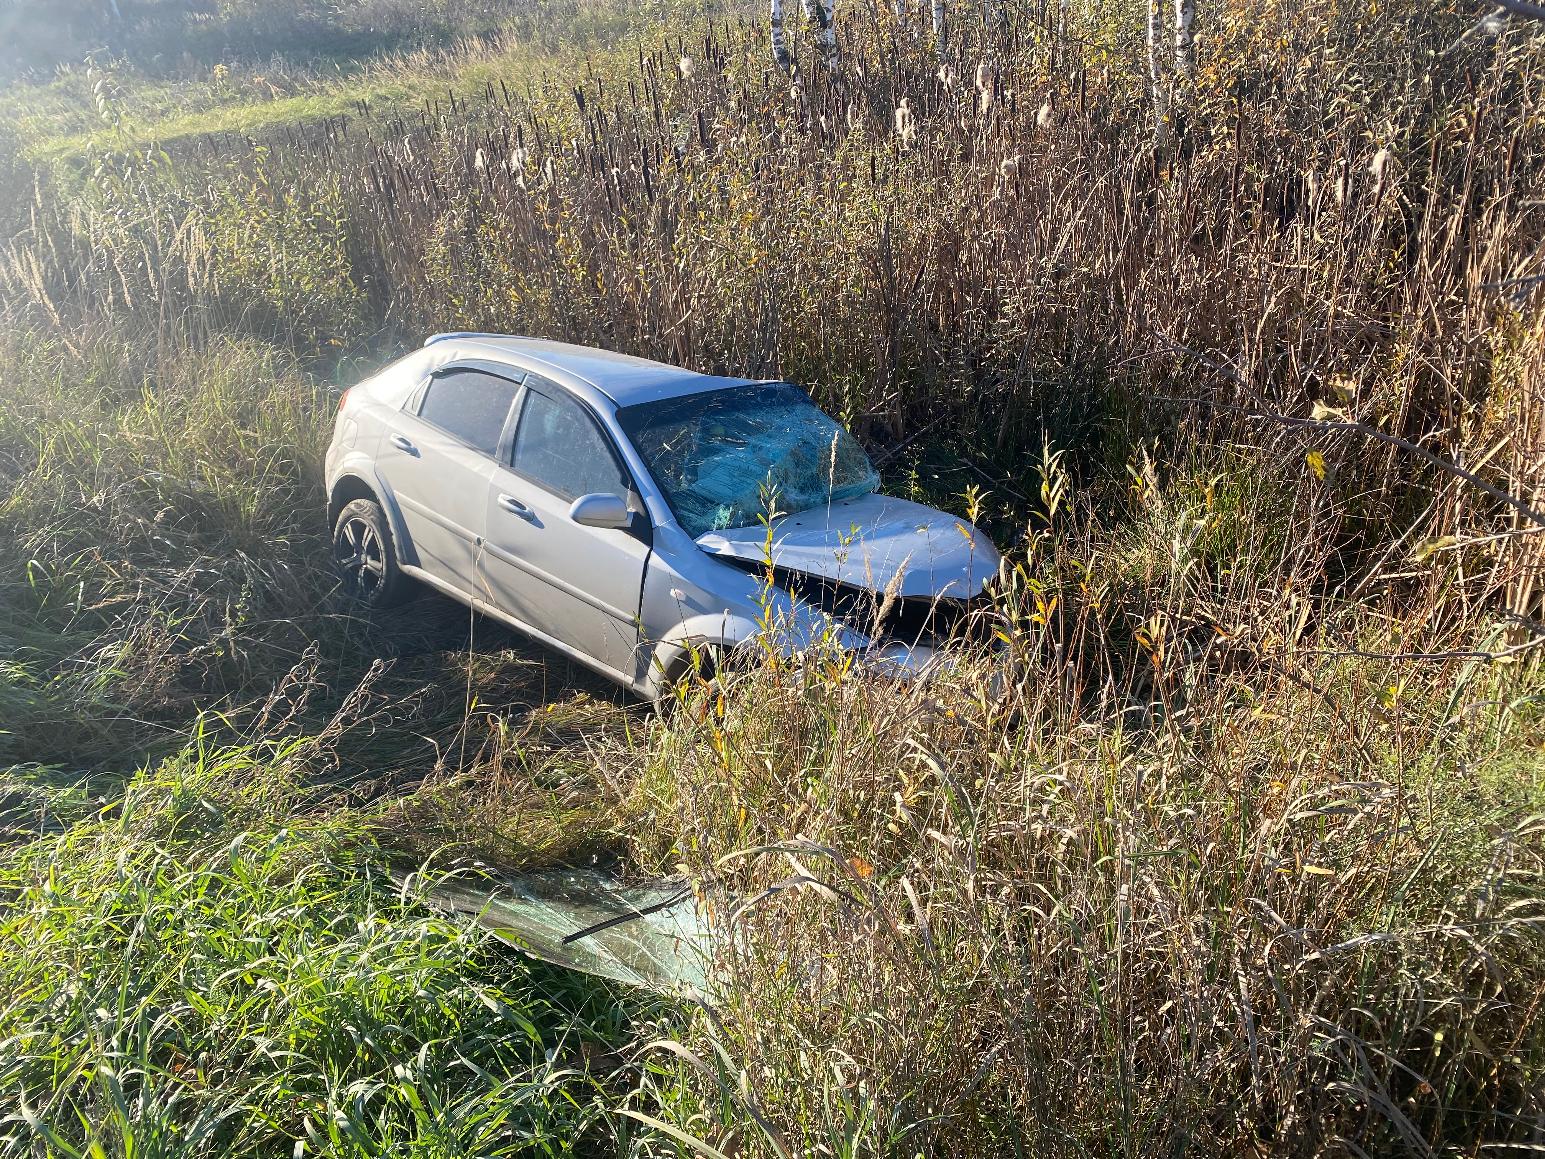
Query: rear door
[
  {"x": 439, "y": 456},
  {"x": 580, "y": 585}
]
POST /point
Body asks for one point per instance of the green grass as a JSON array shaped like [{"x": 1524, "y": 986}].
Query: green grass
[
  {"x": 241, "y": 979},
  {"x": 114, "y": 107},
  {"x": 71, "y": 129},
  {"x": 205, "y": 955},
  {"x": 196, "y": 475}
]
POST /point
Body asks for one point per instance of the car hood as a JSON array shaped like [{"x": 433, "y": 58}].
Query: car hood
[{"x": 866, "y": 542}]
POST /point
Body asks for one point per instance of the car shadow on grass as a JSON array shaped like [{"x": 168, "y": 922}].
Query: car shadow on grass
[
  {"x": 432, "y": 689},
  {"x": 434, "y": 625}
]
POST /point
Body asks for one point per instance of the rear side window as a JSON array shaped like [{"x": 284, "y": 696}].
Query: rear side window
[
  {"x": 470, "y": 405},
  {"x": 559, "y": 445}
]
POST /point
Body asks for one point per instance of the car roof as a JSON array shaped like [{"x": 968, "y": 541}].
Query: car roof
[{"x": 621, "y": 378}]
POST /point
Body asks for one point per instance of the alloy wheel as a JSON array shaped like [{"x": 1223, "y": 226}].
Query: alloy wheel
[{"x": 361, "y": 557}]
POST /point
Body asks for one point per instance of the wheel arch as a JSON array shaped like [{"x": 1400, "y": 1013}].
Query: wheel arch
[
  {"x": 353, "y": 484},
  {"x": 702, "y": 637},
  {"x": 347, "y": 489}
]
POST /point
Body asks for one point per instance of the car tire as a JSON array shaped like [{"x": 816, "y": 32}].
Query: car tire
[{"x": 365, "y": 557}]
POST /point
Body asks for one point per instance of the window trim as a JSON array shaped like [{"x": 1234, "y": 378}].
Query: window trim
[{"x": 414, "y": 405}]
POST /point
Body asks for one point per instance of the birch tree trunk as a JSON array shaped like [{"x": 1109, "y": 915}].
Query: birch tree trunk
[
  {"x": 1158, "y": 80},
  {"x": 819, "y": 13},
  {"x": 780, "y": 48},
  {"x": 1185, "y": 16},
  {"x": 938, "y": 26}
]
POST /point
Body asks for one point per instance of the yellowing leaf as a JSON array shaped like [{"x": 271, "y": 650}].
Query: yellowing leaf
[
  {"x": 1322, "y": 413},
  {"x": 1431, "y": 547},
  {"x": 1319, "y": 871},
  {"x": 1316, "y": 463},
  {"x": 1345, "y": 386}
]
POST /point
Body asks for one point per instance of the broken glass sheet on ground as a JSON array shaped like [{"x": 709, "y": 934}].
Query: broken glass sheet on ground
[{"x": 650, "y": 935}]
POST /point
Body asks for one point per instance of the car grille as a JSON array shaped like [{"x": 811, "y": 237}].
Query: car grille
[{"x": 908, "y": 619}]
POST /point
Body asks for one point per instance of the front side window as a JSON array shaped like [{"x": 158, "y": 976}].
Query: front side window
[
  {"x": 558, "y": 445},
  {"x": 470, "y": 405},
  {"x": 723, "y": 456}
]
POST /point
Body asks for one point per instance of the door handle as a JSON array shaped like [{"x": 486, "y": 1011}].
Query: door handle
[
  {"x": 403, "y": 443},
  {"x": 515, "y": 507}
]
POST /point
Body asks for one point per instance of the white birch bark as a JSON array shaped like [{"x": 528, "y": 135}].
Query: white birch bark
[
  {"x": 819, "y": 13},
  {"x": 780, "y": 48},
  {"x": 938, "y": 26},
  {"x": 1158, "y": 81},
  {"x": 1185, "y": 16}
]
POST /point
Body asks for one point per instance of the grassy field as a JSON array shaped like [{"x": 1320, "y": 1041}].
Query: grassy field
[{"x": 1233, "y": 846}]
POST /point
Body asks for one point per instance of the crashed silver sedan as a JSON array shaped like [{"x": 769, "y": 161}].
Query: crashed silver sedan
[{"x": 636, "y": 516}]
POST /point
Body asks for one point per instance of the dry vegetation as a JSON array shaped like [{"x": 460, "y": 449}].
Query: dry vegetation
[{"x": 1246, "y": 857}]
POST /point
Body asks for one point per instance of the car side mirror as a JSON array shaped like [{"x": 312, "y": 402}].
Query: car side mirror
[{"x": 601, "y": 511}]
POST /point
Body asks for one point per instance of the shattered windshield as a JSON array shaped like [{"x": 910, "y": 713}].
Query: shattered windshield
[{"x": 719, "y": 454}]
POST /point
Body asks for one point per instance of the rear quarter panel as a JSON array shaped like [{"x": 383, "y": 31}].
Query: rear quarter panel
[{"x": 352, "y": 455}]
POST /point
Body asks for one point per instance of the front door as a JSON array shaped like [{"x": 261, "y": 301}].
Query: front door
[
  {"x": 440, "y": 458},
  {"x": 579, "y": 585}
]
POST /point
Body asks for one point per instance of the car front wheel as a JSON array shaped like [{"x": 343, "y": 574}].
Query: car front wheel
[{"x": 365, "y": 558}]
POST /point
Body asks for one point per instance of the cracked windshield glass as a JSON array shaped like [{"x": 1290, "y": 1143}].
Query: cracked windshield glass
[{"x": 720, "y": 455}]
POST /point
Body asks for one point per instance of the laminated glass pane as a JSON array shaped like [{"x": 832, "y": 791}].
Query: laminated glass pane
[
  {"x": 727, "y": 458},
  {"x": 652, "y": 935}
]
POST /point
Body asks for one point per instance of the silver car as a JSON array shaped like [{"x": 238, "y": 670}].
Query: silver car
[{"x": 633, "y": 515}]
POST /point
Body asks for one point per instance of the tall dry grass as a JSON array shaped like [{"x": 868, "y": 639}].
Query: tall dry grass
[
  {"x": 988, "y": 245},
  {"x": 1239, "y": 885}
]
